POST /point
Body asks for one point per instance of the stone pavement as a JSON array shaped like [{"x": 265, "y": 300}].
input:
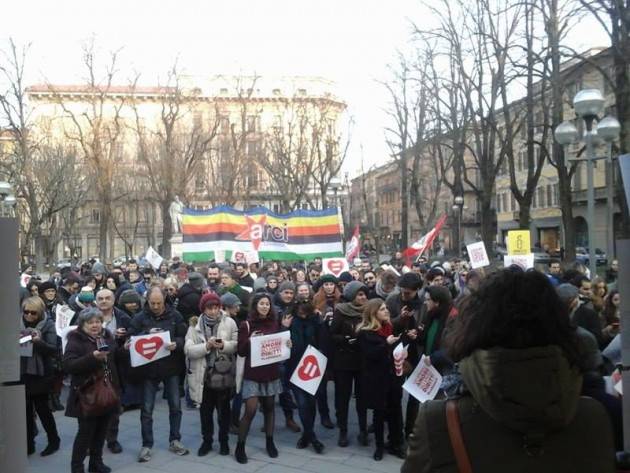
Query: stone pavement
[{"x": 353, "y": 459}]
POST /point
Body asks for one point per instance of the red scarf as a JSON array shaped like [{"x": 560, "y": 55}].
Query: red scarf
[{"x": 386, "y": 330}]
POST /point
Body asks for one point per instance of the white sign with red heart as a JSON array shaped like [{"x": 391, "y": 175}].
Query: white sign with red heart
[
  {"x": 148, "y": 348},
  {"x": 310, "y": 370},
  {"x": 335, "y": 266}
]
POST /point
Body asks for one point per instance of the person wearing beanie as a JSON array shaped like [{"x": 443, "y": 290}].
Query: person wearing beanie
[
  {"x": 260, "y": 285},
  {"x": 284, "y": 302},
  {"x": 84, "y": 299},
  {"x": 325, "y": 300},
  {"x": 99, "y": 272},
  {"x": 209, "y": 344},
  {"x": 130, "y": 301},
  {"x": 189, "y": 295},
  {"x": 48, "y": 293},
  {"x": 346, "y": 359},
  {"x": 345, "y": 278}
]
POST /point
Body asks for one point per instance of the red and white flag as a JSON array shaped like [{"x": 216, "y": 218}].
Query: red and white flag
[
  {"x": 353, "y": 246},
  {"x": 420, "y": 246}
]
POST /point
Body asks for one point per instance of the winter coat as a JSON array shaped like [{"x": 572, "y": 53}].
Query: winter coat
[
  {"x": 196, "y": 352},
  {"x": 377, "y": 369},
  {"x": 346, "y": 354},
  {"x": 394, "y": 304},
  {"x": 44, "y": 357},
  {"x": 247, "y": 281},
  {"x": 439, "y": 358},
  {"x": 585, "y": 317},
  {"x": 80, "y": 363},
  {"x": 304, "y": 332},
  {"x": 170, "y": 320},
  {"x": 523, "y": 414},
  {"x": 260, "y": 374},
  {"x": 188, "y": 301}
]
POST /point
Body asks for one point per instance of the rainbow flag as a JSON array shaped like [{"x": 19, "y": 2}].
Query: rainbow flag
[{"x": 299, "y": 235}]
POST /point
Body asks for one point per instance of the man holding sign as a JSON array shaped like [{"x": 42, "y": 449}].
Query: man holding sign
[{"x": 168, "y": 331}]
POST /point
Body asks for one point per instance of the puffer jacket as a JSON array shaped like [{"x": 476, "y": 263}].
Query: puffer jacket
[
  {"x": 195, "y": 351},
  {"x": 523, "y": 413}
]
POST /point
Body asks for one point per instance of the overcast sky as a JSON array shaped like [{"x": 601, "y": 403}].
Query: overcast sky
[{"x": 348, "y": 41}]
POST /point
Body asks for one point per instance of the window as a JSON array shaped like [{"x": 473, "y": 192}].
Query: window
[
  {"x": 534, "y": 201},
  {"x": 522, "y": 159},
  {"x": 499, "y": 210},
  {"x": 541, "y": 197},
  {"x": 223, "y": 91},
  {"x": 504, "y": 198},
  {"x": 555, "y": 195},
  {"x": 251, "y": 123},
  {"x": 197, "y": 119},
  {"x": 95, "y": 217},
  {"x": 549, "y": 195},
  {"x": 276, "y": 208},
  {"x": 225, "y": 124},
  {"x": 143, "y": 213},
  {"x": 301, "y": 91},
  {"x": 513, "y": 202},
  {"x": 200, "y": 183},
  {"x": 276, "y": 92}
]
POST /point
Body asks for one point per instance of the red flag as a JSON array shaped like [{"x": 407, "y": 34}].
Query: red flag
[
  {"x": 352, "y": 246},
  {"x": 420, "y": 246}
]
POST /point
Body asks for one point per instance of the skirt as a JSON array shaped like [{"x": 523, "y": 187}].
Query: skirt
[{"x": 256, "y": 389}]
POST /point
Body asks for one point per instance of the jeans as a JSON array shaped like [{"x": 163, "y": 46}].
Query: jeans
[
  {"x": 171, "y": 391},
  {"x": 306, "y": 405},
  {"x": 91, "y": 435},
  {"x": 343, "y": 392},
  {"x": 219, "y": 400}
]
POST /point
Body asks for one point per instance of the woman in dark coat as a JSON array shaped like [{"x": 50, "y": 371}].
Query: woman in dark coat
[
  {"x": 375, "y": 338},
  {"x": 37, "y": 370},
  {"x": 82, "y": 360},
  {"x": 346, "y": 359}
]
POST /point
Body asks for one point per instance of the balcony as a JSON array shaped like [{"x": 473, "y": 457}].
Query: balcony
[{"x": 579, "y": 196}]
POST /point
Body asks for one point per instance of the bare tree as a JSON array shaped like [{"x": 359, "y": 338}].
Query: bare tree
[
  {"x": 96, "y": 130},
  {"x": 172, "y": 152}
]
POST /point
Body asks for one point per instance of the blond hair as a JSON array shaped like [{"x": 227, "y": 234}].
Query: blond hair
[
  {"x": 370, "y": 320},
  {"x": 35, "y": 303}
]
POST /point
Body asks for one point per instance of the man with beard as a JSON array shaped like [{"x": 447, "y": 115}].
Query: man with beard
[{"x": 213, "y": 277}]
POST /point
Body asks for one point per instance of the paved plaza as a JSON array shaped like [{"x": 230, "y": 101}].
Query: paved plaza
[{"x": 353, "y": 459}]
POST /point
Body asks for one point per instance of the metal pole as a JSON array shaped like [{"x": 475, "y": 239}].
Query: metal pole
[
  {"x": 590, "y": 198},
  {"x": 459, "y": 231},
  {"x": 610, "y": 200}
]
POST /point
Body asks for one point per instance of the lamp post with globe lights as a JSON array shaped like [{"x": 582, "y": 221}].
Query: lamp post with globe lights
[{"x": 588, "y": 104}]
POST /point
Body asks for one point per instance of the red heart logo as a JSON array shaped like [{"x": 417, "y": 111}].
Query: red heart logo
[
  {"x": 335, "y": 266},
  {"x": 309, "y": 369},
  {"x": 148, "y": 347}
]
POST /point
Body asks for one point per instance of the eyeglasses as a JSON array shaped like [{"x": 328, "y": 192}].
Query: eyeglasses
[
  {"x": 370, "y": 278},
  {"x": 30, "y": 312}
]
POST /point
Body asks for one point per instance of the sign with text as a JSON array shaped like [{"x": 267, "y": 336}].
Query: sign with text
[
  {"x": 335, "y": 266},
  {"x": 424, "y": 383},
  {"x": 146, "y": 349},
  {"x": 519, "y": 242},
  {"x": 524, "y": 261},
  {"x": 64, "y": 336},
  {"x": 154, "y": 258},
  {"x": 267, "y": 349},
  {"x": 478, "y": 255},
  {"x": 63, "y": 317},
  {"x": 310, "y": 370}
]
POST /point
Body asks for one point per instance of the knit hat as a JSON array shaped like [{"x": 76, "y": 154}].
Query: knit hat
[
  {"x": 129, "y": 296},
  {"x": 196, "y": 280},
  {"x": 228, "y": 300},
  {"x": 86, "y": 294},
  {"x": 345, "y": 277},
  {"x": 272, "y": 277},
  {"x": 410, "y": 281},
  {"x": 43, "y": 287},
  {"x": 286, "y": 286},
  {"x": 352, "y": 288},
  {"x": 328, "y": 278},
  {"x": 99, "y": 268},
  {"x": 260, "y": 284},
  {"x": 209, "y": 298},
  {"x": 567, "y": 292}
]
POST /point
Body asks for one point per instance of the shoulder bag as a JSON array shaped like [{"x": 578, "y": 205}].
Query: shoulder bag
[
  {"x": 97, "y": 396},
  {"x": 457, "y": 439}
]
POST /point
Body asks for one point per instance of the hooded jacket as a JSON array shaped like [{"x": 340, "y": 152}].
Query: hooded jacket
[
  {"x": 189, "y": 298},
  {"x": 523, "y": 413}
]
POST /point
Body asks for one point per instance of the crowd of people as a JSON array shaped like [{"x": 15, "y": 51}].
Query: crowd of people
[{"x": 517, "y": 348}]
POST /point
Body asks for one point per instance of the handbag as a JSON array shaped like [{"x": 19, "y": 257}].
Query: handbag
[
  {"x": 221, "y": 375},
  {"x": 97, "y": 395},
  {"x": 240, "y": 368},
  {"x": 457, "y": 439}
]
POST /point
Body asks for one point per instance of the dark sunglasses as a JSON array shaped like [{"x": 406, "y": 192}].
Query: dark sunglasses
[
  {"x": 30, "y": 312},
  {"x": 370, "y": 278}
]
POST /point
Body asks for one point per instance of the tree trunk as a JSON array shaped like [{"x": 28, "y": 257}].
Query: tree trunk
[
  {"x": 487, "y": 221},
  {"x": 167, "y": 229},
  {"x": 404, "y": 197},
  {"x": 103, "y": 230},
  {"x": 524, "y": 215}
]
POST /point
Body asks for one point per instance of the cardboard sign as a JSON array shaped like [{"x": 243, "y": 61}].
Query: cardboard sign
[
  {"x": 424, "y": 383},
  {"x": 64, "y": 336},
  {"x": 518, "y": 242},
  {"x": 146, "y": 349},
  {"x": 154, "y": 258},
  {"x": 478, "y": 255},
  {"x": 26, "y": 345},
  {"x": 334, "y": 266},
  {"x": 248, "y": 257},
  {"x": 400, "y": 355},
  {"x": 310, "y": 370},
  {"x": 524, "y": 261},
  {"x": 25, "y": 279},
  {"x": 63, "y": 317},
  {"x": 268, "y": 349}
]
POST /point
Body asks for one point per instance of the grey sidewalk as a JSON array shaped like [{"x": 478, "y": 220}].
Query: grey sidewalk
[{"x": 353, "y": 459}]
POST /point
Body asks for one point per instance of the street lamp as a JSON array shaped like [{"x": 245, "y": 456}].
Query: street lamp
[
  {"x": 608, "y": 129},
  {"x": 588, "y": 104},
  {"x": 458, "y": 207},
  {"x": 7, "y": 200}
]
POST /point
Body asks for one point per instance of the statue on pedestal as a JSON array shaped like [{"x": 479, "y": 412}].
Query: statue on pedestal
[{"x": 175, "y": 210}]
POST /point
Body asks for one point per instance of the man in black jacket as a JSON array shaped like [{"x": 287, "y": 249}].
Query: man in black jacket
[
  {"x": 189, "y": 296},
  {"x": 156, "y": 317}
]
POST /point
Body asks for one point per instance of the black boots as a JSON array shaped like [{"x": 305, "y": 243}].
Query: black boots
[
  {"x": 52, "y": 447},
  {"x": 97, "y": 466},
  {"x": 343, "y": 438},
  {"x": 239, "y": 453},
  {"x": 362, "y": 438},
  {"x": 327, "y": 423},
  {"x": 204, "y": 449},
  {"x": 272, "y": 451},
  {"x": 224, "y": 448}
]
